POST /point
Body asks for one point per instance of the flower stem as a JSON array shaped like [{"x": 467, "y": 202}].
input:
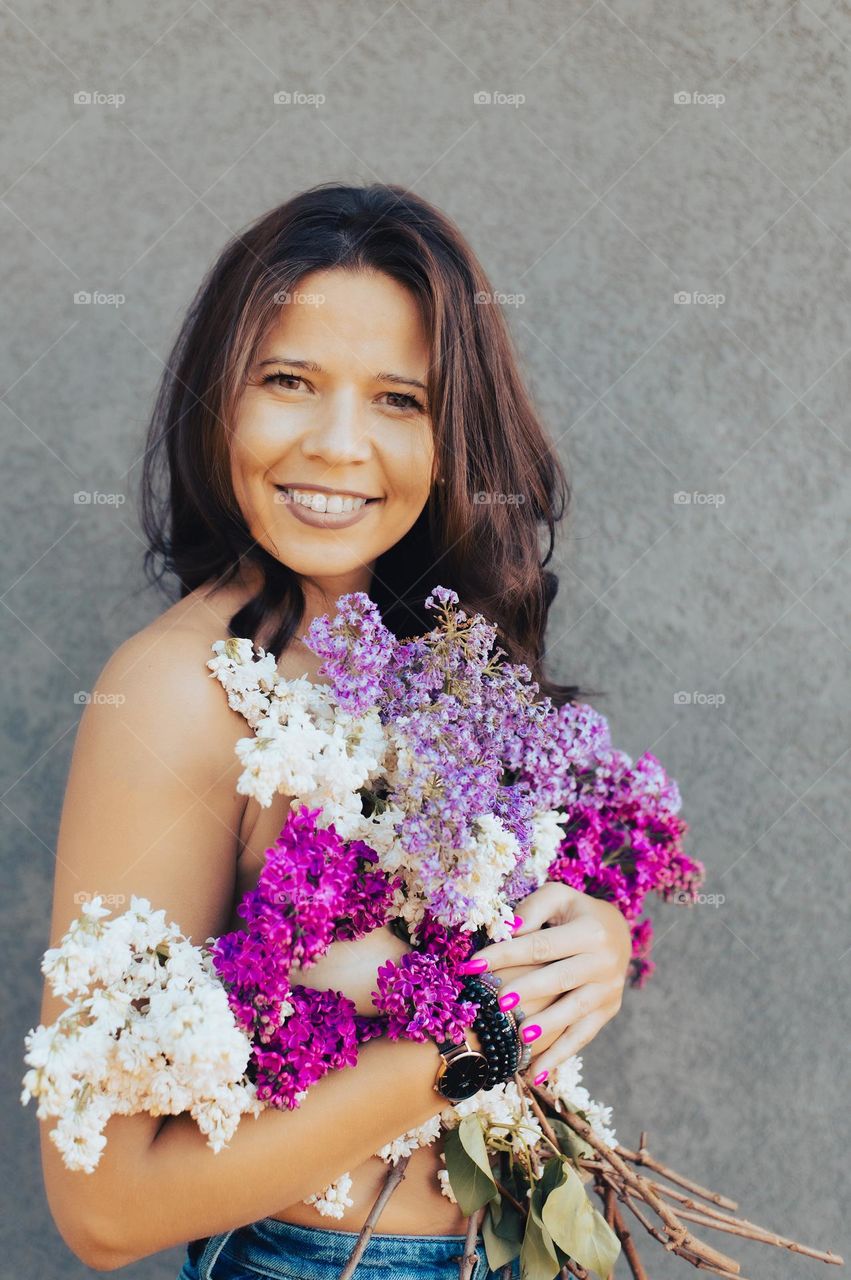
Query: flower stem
[
  {"x": 470, "y": 1256},
  {"x": 394, "y": 1176}
]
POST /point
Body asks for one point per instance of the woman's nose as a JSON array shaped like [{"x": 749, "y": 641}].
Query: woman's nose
[{"x": 340, "y": 432}]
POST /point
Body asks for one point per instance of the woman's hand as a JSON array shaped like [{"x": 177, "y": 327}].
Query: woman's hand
[
  {"x": 569, "y": 943},
  {"x": 352, "y": 967}
]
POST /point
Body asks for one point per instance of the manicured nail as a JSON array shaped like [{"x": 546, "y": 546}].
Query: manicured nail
[
  {"x": 540, "y": 1077},
  {"x": 530, "y": 1032},
  {"x": 478, "y": 965},
  {"x": 508, "y": 1001},
  {"x": 518, "y": 921}
]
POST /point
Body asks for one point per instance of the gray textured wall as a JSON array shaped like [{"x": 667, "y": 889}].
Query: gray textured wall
[{"x": 598, "y": 198}]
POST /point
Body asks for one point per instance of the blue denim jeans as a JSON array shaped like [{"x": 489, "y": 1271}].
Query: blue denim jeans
[{"x": 283, "y": 1251}]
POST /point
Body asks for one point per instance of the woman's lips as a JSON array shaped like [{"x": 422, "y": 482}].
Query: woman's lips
[{"x": 325, "y": 519}]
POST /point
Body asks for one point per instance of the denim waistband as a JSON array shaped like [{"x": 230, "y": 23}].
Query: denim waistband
[{"x": 286, "y": 1251}]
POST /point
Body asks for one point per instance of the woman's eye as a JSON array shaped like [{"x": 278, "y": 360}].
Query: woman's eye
[
  {"x": 407, "y": 403},
  {"x": 412, "y": 403},
  {"x": 276, "y": 378}
]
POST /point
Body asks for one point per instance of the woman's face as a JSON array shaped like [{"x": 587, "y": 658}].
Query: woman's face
[{"x": 336, "y": 404}]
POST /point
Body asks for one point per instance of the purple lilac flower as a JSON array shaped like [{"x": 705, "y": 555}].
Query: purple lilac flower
[
  {"x": 356, "y": 646},
  {"x": 319, "y": 1036},
  {"x": 420, "y": 999},
  {"x": 313, "y": 889}
]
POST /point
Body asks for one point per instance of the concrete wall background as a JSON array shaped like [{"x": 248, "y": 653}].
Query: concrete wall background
[{"x": 599, "y": 198}]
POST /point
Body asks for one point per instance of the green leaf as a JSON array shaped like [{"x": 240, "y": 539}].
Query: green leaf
[
  {"x": 503, "y": 1238},
  {"x": 538, "y": 1260},
  {"x": 538, "y": 1257},
  {"x": 570, "y": 1141},
  {"x": 470, "y": 1175},
  {"x": 472, "y": 1134},
  {"x": 576, "y": 1226}
]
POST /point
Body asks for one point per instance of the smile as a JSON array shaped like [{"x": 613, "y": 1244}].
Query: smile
[{"x": 324, "y": 510}]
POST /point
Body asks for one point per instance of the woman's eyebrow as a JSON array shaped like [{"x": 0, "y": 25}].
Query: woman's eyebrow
[{"x": 312, "y": 367}]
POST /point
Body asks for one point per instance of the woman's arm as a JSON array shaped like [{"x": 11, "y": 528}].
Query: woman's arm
[
  {"x": 181, "y": 1190},
  {"x": 151, "y": 809}
]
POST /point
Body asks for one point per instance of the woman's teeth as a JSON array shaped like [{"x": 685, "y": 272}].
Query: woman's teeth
[{"x": 330, "y": 502}]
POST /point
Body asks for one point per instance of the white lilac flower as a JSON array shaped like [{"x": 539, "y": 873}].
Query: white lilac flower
[
  {"x": 147, "y": 1027},
  {"x": 410, "y": 1141},
  {"x": 445, "y": 1185},
  {"x": 547, "y": 836},
  {"x": 248, "y": 682},
  {"x": 565, "y": 1085},
  {"x": 502, "y": 1113},
  {"x": 334, "y": 1199}
]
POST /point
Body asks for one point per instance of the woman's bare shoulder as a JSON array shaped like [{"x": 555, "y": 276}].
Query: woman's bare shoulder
[{"x": 159, "y": 674}]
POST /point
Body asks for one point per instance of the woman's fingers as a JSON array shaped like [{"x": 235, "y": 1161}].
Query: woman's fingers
[
  {"x": 551, "y": 903},
  {"x": 557, "y": 1048},
  {"x": 546, "y": 983},
  {"x": 542, "y": 946},
  {"x": 562, "y": 1016}
]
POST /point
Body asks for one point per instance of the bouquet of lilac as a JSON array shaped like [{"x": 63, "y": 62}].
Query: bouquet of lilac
[
  {"x": 439, "y": 757},
  {"x": 431, "y": 790},
  {"x": 431, "y": 774}
]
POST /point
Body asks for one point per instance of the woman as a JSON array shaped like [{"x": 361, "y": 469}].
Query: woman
[{"x": 344, "y": 345}]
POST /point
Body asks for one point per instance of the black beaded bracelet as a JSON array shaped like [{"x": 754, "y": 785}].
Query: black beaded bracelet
[{"x": 497, "y": 1031}]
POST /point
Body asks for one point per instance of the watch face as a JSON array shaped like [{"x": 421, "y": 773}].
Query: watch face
[{"x": 464, "y": 1075}]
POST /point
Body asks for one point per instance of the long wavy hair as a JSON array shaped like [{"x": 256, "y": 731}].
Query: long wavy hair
[{"x": 501, "y": 485}]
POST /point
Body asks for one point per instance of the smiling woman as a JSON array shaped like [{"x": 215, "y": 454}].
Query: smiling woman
[
  {"x": 349, "y": 340},
  {"x": 321, "y": 444},
  {"x": 342, "y": 411}
]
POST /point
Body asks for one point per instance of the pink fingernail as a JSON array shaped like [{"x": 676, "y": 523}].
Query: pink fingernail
[
  {"x": 530, "y": 1032},
  {"x": 540, "y": 1077},
  {"x": 508, "y": 1001},
  {"x": 518, "y": 921},
  {"x": 478, "y": 965}
]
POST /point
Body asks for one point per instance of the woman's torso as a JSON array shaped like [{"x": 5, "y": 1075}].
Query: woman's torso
[{"x": 417, "y": 1206}]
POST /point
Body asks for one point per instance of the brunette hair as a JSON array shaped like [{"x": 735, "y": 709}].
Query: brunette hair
[{"x": 501, "y": 479}]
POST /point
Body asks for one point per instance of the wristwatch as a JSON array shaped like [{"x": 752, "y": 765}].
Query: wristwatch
[{"x": 462, "y": 1071}]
